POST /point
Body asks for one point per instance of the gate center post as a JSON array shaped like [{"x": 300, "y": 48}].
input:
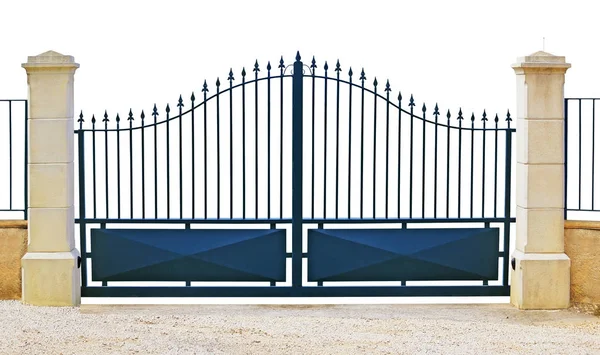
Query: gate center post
[{"x": 297, "y": 126}]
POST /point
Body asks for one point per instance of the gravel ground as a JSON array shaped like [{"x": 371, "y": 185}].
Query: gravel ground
[{"x": 298, "y": 329}]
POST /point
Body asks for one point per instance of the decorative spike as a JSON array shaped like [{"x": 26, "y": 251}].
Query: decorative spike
[
  {"x": 337, "y": 66},
  {"x": 130, "y": 118},
  {"x": 80, "y": 117},
  {"x": 298, "y": 56},
  {"x": 142, "y": 115},
  {"x": 399, "y": 96},
  {"x": 155, "y": 111},
  {"x": 484, "y": 118},
  {"x": 350, "y": 72},
  {"x": 118, "y": 119},
  {"x": 387, "y": 85},
  {"x": 448, "y": 115},
  {"x": 180, "y": 102},
  {"x": 218, "y": 82},
  {"x": 256, "y": 69},
  {"x": 230, "y": 78},
  {"x": 105, "y": 117},
  {"x": 473, "y": 117},
  {"x": 436, "y": 111},
  {"x": 93, "y": 119},
  {"x": 411, "y": 102},
  {"x": 281, "y": 65},
  {"x": 313, "y": 63},
  {"x": 193, "y": 97},
  {"x": 375, "y": 82},
  {"x": 204, "y": 88},
  {"x": 243, "y": 71},
  {"x": 326, "y": 66},
  {"x": 508, "y": 116},
  {"x": 496, "y": 118},
  {"x": 424, "y": 108},
  {"x": 362, "y": 74},
  {"x": 167, "y": 109},
  {"x": 269, "y": 65},
  {"x": 460, "y": 116}
]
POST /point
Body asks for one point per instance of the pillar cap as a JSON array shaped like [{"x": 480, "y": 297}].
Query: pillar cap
[
  {"x": 50, "y": 59},
  {"x": 541, "y": 60}
]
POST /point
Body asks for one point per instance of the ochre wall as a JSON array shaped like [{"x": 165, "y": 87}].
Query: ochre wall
[
  {"x": 13, "y": 245},
  {"x": 582, "y": 245}
]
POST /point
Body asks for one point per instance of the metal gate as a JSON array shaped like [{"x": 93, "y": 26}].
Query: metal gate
[{"x": 279, "y": 186}]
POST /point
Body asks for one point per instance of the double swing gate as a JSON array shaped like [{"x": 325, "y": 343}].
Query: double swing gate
[{"x": 294, "y": 183}]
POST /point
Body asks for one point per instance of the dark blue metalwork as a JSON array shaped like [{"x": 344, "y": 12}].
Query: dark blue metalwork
[
  {"x": 14, "y": 122},
  {"x": 402, "y": 254},
  {"x": 466, "y": 254}
]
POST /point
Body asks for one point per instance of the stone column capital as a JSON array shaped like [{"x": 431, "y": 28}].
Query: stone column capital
[
  {"x": 50, "y": 60},
  {"x": 541, "y": 63}
]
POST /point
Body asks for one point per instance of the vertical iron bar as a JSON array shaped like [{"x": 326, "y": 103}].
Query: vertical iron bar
[
  {"x": 312, "y": 198},
  {"x": 26, "y": 158},
  {"x": 472, "y": 158},
  {"x": 168, "y": 146},
  {"x": 579, "y": 154},
  {"x": 204, "y": 103},
  {"x": 399, "y": 148},
  {"x": 297, "y": 174},
  {"x": 460, "y": 119},
  {"x": 154, "y": 114},
  {"x": 337, "y": 142},
  {"x": 565, "y": 145},
  {"x": 362, "y": 139},
  {"x": 423, "y": 168},
  {"x": 218, "y": 149},
  {"x": 10, "y": 174},
  {"x": 387, "y": 148},
  {"x": 496, "y": 167},
  {"x": 325, "y": 145},
  {"x": 507, "y": 203},
  {"x": 180, "y": 106},
  {"x": 244, "y": 142},
  {"x": 82, "y": 216},
  {"x": 349, "y": 139},
  {"x": 374, "y": 144},
  {"x": 119, "y": 169},
  {"x": 269, "y": 140},
  {"x": 230, "y": 144},
  {"x": 106, "y": 159},
  {"x": 193, "y": 133},
  {"x": 410, "y": 184},
  {"x": 142, "y": 116},
  {"x": 281, "y": 68},
  {"x": 256, "y": 70},
  {"x": 130, "y": 164},
  {"x": 483, "y": 169},
  {"x": 435, "y": 162},
  {"x": 94, "y": 163},
  {"x": 593, "y": 146},
  {"x": 448, "y": 166}
]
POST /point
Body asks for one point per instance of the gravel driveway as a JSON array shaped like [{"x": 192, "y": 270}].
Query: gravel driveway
[{"x": 298, "y": 329}]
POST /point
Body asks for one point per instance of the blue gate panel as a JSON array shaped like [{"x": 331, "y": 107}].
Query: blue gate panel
[
  {"x": 403, "y": 254},
  {"x": 188, "y": 255}
]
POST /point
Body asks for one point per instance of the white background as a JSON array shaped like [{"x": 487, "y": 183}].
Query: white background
[{"x": 456, "y": 53}]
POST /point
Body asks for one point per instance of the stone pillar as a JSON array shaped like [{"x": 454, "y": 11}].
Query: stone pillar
[
  {"x": 540, "y": 279},
  {"x": 50, "y": 267}
]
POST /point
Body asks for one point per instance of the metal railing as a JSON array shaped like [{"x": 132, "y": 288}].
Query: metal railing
[{"x": 13, "y": 159}]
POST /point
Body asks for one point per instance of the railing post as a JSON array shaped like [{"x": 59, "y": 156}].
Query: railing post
[
  {"x": 297, "y": 124},
  {"x": 541, "y": 271},
  {"x": 50, "y": 267}
]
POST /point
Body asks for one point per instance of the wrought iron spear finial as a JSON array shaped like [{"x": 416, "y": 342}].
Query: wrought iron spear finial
[
  {"x": 142, "y": 116},
  {"x": 436, "y": 111},
  {"x": 80, "y": 120},
  {"x": 298, "y": 56},
  {"x": 269, "y": 65},
  {"x": 411, "y": 101},
  {"x": 155, "y": 110},
  {"x": 375, "y": 82},
  {"x": 204, "y": 87},
  {"x": 496, "y": 119},
  {"x": 460, "y": 115},
  {"x": 105, "y": 117},
  {"x": 93, "y": 119},
  {"x": 362, "y": 75},
  {"x": 230, "y": 77},
  {"x": 326, "y": 66},
  {"x": 281, "y": 64},
  {"x": 484, "y": 118},
  {"x": 256, "y": 69},
  {"x": 313, "y": 63},
  {"x": 193, "y": 97},
  {"x": 180, "y": 102},
  {"x": 130, "y": 118},
  {"x": 337, "y": 66},
  {"x": 118, "y": 119},
  {"x": 424, "y": 108},
  {"x": 448, "y": 116},
  {"x": 387, "y": 86},
  {"x": 350, "y": 72}
]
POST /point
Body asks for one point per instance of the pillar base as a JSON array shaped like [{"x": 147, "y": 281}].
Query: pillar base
[
  {"x": 51, "y": 279},
  {"x": 540, "y": 281}
]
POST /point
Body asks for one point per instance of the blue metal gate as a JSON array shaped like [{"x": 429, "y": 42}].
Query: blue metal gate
[{"x": 259, "y": 204}]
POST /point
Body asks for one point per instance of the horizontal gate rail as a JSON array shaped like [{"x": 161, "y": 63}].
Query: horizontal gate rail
[{"x": 13, "y": 158}]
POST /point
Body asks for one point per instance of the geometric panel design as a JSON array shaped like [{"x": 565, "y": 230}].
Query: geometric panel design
[
  {"x": 403, "y": 254},
  {"x": 188, "y": 254}
]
